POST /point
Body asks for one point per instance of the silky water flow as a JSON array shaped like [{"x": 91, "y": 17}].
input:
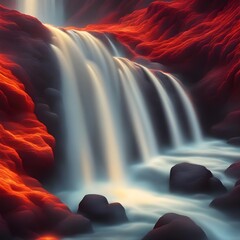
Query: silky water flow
[{"x": 108, "y": 113}]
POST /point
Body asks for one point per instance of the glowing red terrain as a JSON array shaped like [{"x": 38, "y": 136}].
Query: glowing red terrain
[
  {"x": 26, "y": 209},
  {"x": 26, "y": 148},
  {"x": 25, "y": 144},
  {"x": 105, "y": 11},
  {"x": 200, "y": 40},
  {"x": 197, "y": 39}
]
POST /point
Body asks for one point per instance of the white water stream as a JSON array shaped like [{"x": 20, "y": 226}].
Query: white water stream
[
  {"x": 94, "y": 86},
  {"x": 101, "y": 93},
  {"x": 147, "y": 197}
]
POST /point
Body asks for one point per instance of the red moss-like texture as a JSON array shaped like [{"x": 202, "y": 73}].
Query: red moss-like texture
[
  {"x": 25, "y": 207},
  {"x": 105, "y": 11},
  {"x": 198, "y": 39},
  {"x": 20, "y": 129},
  {"x": 26, "y": 148}
]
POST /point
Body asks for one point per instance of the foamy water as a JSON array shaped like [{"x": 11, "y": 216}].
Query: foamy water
[{"x": 146, "y": 196}]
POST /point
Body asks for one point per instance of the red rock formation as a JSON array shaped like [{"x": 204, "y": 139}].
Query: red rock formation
[
  {"x": 26, "y": 152},
  {"x": 82, "y": 12},
  {"x": 197, "y": 39},
  {"x": 26, "y": 149}
]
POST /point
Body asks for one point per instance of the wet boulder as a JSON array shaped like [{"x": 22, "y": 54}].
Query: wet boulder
[
  {"x": 229, "y": 203},
  {"x": 193, "y": 178},
  {"x": 172, "y": 226},
  {"x": 96, "y": 208},
  {"x": 233, "y": 170}
]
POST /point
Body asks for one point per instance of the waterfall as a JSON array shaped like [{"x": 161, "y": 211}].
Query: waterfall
[
  {"x": 174, "y": 126},
  {"x": 103, "y": 98},
  {"x": 80, "y": 74},
  {"x": 48, "y": 11},
  {"x": 140, "y": 118},
  {"x": 189, "y": 109},
  {"x": 77, "y": 138},
  {"x": 118, "y": 112}
]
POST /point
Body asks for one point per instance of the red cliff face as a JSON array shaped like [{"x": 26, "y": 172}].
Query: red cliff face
[
  {"x": 199, "y": 40},
  {"x": 26, "y": 148},
  {"x": 195, "y": 38},
  {"x": 20, "y": 128},
  {"x": 82, "y": 12}
]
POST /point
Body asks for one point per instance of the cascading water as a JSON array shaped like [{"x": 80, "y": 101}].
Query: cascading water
[
  {"x": 137, "y": 108},
  {"x": 105, "y": 106},
  {"x": 48, "y": 11},
  {"x": 108, "y": 114},
  {"x": 188, "y": 107},
  {"x": 89, "y": 69}
]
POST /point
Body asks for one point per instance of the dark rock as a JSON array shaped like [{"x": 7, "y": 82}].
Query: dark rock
[
  {"x": 234, "y": 141},
  {"x": 229, "y": 203},
  {"x": 193, "y": 178},
  {"x": 215, "y": 185},
  {"x": 229, "y": 127},
  {"x": 19, "y": 226},
  {"x": 172, "y": 226},
  {"x": 74, "y": 224},
  {"x": 117, "y": 213},
  {"x": 96, "y": 208},
  {"x": 4, "y": 231},
  {"x": 53, "y": 98},
  {"x": 237, "y": 183},
  {"x": 233, "y": 170},
  {"x": 47, "y": 117}
]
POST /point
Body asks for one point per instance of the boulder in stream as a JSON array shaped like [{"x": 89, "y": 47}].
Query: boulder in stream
[
  {"x": 96, "y": 208},
  {"x": 233, "y": 170},
  {"x": 229, "y": 203},
  {"x": 172, "y": 226},
  {"x": 193, "y": 178}
]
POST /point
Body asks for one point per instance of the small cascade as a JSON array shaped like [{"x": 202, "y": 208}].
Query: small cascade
[
  {"x": 48, "y": 11},
  {"x": 173, "y": 121},
  {"x": 116, "y": 52},
  {"x": 189, "y": 109},
  {"x": 106, "y": 106},
  {"x": 141, "y": 120},
  {"x": 80, "y": 75},
  {"x": 77, "y": 137}
]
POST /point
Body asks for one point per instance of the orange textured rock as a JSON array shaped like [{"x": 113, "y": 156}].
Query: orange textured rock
[
  {"x": 26, "y": 153},
  {"x": 26, "y": 149}
]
